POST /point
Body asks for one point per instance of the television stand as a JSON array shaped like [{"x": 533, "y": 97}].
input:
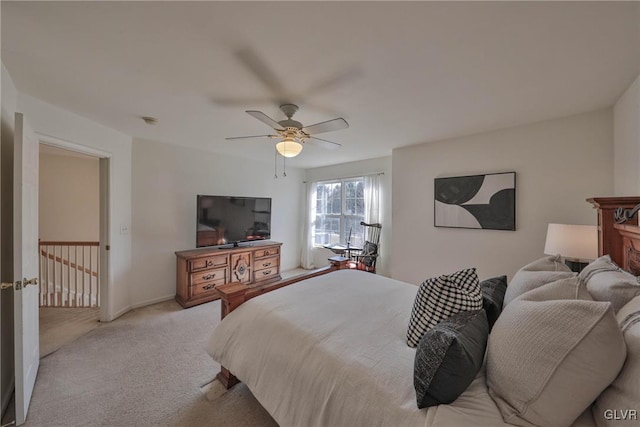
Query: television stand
[
  {"x": 235, "y": 245},
  {"x": 200, "y": 271}
]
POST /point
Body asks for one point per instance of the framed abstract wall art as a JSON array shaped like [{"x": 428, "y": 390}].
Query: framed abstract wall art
[{"x": 476, "y": 201}]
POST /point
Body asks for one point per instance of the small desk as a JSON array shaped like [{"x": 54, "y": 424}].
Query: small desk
[{"x": 340, "y": 249}]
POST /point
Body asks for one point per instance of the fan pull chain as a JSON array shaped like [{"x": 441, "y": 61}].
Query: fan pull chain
[
  {"x": 284, "y": 166},
  {"x": 275, "y": 165}
]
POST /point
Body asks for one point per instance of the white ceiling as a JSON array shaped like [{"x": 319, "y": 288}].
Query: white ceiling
[{"x": 399, "y": 73}]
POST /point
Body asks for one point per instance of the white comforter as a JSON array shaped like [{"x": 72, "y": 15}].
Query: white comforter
[{"x": 331, "y": 351}]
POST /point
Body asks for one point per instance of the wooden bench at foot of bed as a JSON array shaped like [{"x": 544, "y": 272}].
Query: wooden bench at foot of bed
[{"x": 232, "y": 295}]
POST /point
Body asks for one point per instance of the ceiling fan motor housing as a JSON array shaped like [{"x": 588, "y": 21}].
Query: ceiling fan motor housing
[
  {"x": 293, "y": 132},
  {"x": 290, "y": 123}
]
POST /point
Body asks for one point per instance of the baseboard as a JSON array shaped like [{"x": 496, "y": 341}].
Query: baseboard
[
  {"x": 153, "y": 301},
  {"x": 6, "y": 396},
  {"x": 142, "y": 304},
  {"x": 121, "y": 312}
]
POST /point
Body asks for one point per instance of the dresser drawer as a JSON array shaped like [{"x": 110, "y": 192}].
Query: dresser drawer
[
  {"x": 260, "y": 253},
  {"x": 208, "y": 276},
  {"x": 262, "y": 263},
  {"x": 207, "y": 288},
  {"x": 265, "y": 274},
  {"x": 207, "y": 262}
]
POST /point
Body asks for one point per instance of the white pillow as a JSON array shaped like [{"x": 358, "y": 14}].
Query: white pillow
[
  {"x": 441, "y": 297},
  {"x": 550, "y": 355},
  {"x": 607, "y": 282},
  {"x": 535, "y": 274},
  {"x": 623, "y": 395}
]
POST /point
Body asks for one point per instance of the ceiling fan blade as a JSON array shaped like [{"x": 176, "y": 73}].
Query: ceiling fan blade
[
  {"x": 324, "y": 143},
  {"x": 333, "y": 81},
  {"x": 264, "y": 119},
  {"x": 242, "y": 102},
  {"x": 328, "y": 126},
  {"x": 262, "y": 71},
  {"x": 252, "y": 136}
]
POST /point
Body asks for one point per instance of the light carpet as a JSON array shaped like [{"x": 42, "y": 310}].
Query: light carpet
[
  {"x": 60, "y": 326},
  {"x": 147, "y": 368}
]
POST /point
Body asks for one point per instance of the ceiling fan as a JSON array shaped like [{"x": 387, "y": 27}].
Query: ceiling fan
[{"x": 293, "y": 133}]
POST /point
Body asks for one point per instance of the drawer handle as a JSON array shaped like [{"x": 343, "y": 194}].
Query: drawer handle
[
  {"x": 265, "y": 273},
  {"x": 209, "y": 276},
  {"x": 211, "y": 286},
  {"x": 209, "y": 263},
  {"x": 266, "y": 264}
]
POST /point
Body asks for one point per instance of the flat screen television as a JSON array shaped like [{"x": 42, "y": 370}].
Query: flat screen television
[{"x": 226, "y": 220}]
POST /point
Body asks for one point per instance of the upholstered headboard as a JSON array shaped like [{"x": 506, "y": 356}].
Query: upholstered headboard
[{"x": 620, "y": 241}]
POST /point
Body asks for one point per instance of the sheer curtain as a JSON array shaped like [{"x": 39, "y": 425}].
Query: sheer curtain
[
  {"x": 372, "y": 198},
  {"x": 306, "y": 258}
]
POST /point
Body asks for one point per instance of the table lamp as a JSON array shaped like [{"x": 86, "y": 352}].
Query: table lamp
[{"x": 577, "y": 244}]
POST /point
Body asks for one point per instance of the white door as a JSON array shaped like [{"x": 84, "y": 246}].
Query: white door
[{"x": 25, "y": 263}]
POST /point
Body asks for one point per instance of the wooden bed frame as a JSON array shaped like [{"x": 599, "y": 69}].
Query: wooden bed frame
[{"x": 620, "y": 241}]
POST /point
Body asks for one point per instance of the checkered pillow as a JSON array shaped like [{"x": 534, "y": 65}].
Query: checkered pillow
[{"x": 441, "y": 297}]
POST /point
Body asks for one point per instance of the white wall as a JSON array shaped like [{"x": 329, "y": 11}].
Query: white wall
[
  {"x": 53, "y": 121},
  {"x": 626, "y": 131},
  {"x": 9, "y": 97},
  {"x": 559, "y": 163},
  {"x": 361, "y": 168},
  {"x": 166, "y": 180},
  {"x": 69, "y": 198}
]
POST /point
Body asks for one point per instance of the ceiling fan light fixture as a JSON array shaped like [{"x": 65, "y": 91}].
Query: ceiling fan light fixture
[{"x": 289, "y": 147}]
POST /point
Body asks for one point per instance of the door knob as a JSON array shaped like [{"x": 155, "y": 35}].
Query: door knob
[{"x": 19, "y": 284}]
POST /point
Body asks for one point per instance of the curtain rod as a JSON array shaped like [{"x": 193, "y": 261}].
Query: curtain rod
[{"x": 348, "y": 177}]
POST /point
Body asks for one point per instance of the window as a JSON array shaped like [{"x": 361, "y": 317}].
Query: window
[{"x": 339, "y": 210}]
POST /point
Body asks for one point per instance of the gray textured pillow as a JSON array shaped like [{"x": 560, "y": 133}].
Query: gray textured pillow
[
  {"x": 550, "y": 355},
  {"x": 535, "y": 274},
  {"x": 624, "y": 393},
  {"x": 449, "y": 357},
  {"x": 492, "y": 297},
  {"x": 607, "y": 282},
  {"x": 441, "y": 297}
]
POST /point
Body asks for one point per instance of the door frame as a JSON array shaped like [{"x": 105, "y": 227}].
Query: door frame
[{"x": 106, "y": 303}]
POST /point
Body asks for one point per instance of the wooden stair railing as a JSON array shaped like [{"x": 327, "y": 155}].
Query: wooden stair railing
[{"x": 69, "y": 274}]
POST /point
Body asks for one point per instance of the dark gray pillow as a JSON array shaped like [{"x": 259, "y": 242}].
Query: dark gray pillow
[
  {"x": 493, "y": 291},
  {"x": 449, "y": 357}
]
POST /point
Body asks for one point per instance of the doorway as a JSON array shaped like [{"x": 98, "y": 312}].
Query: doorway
[
  {"x": 69, "y": 243},
  {"x": 102, "y": 294}
]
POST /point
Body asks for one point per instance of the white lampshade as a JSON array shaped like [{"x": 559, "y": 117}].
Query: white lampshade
[
  {"x": 573, "y": 242},
  {"x": 289, "y": 147}
]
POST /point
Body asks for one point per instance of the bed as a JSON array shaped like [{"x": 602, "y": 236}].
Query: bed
[{"x": 331, "y": 350}]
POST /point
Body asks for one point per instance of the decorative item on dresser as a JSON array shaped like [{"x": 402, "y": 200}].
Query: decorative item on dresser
[{"x": 200, "y": 271}]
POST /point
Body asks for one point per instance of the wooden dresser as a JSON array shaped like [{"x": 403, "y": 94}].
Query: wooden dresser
[{"x": 200, "y": 271}]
